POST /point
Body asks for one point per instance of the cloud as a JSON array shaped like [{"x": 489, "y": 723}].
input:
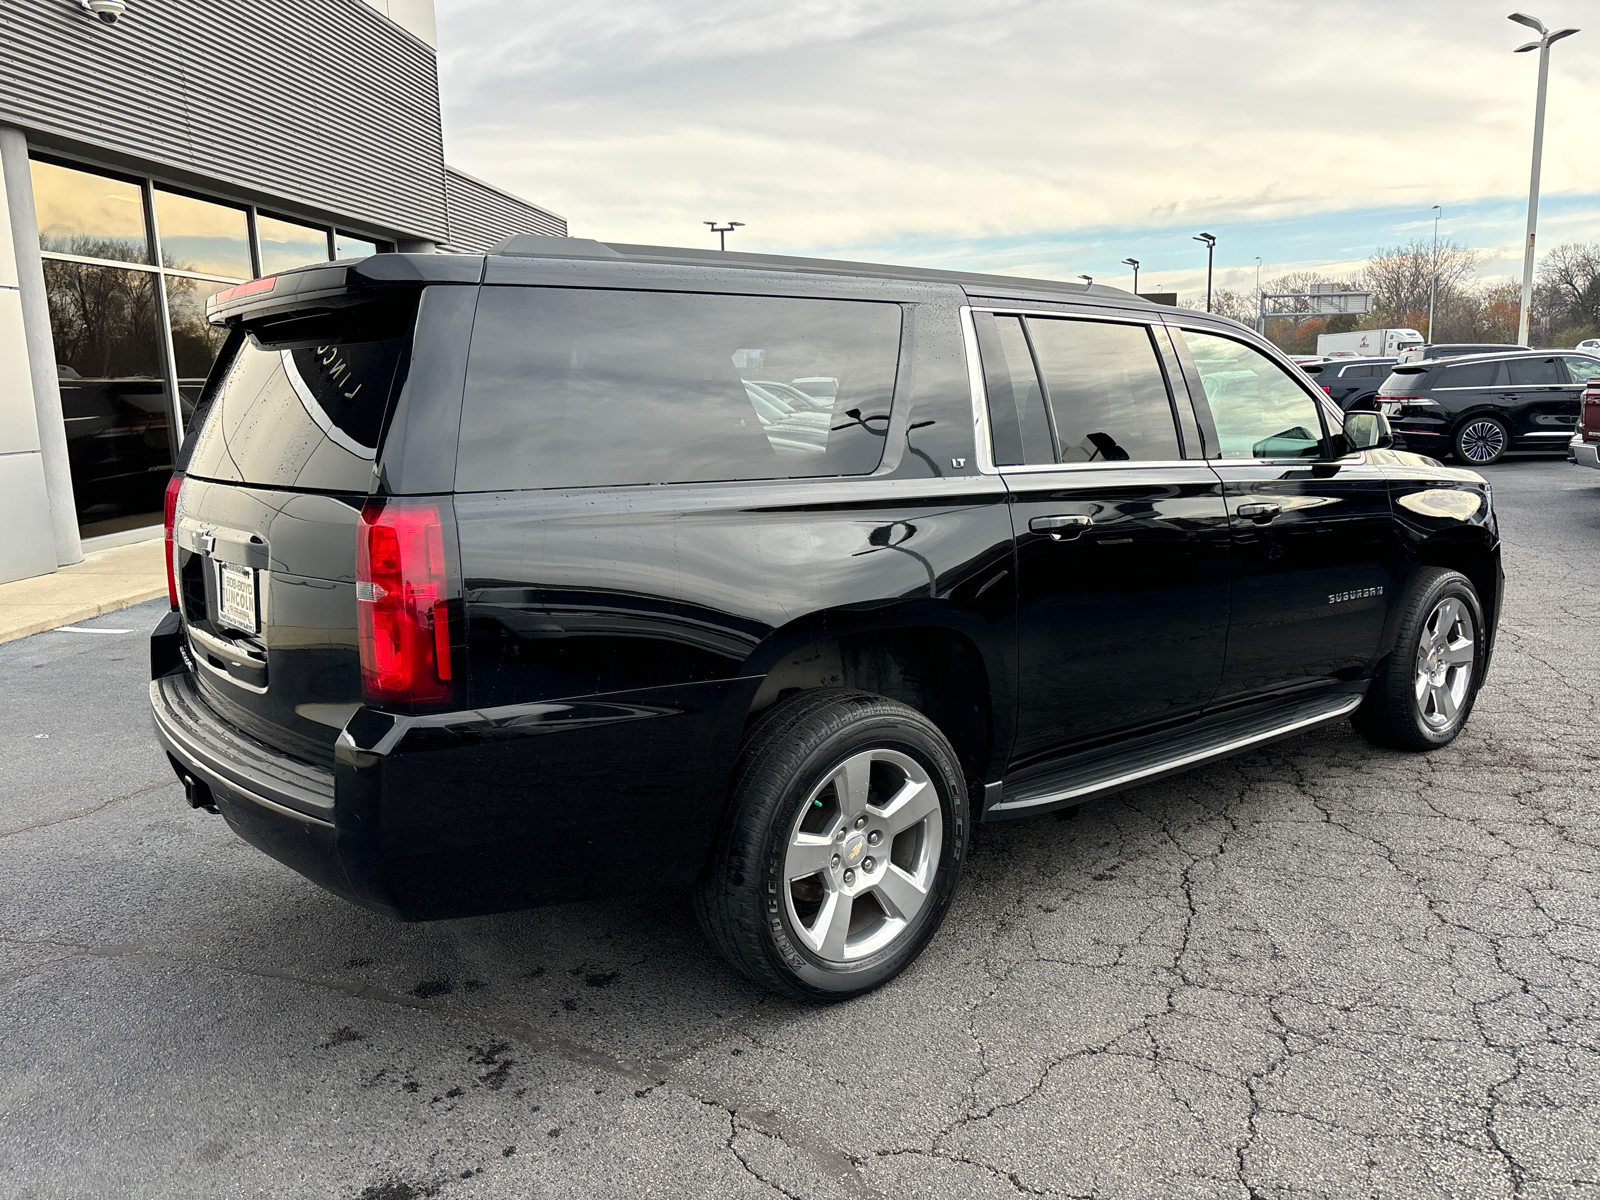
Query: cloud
[{"x": 832, "y": 124}]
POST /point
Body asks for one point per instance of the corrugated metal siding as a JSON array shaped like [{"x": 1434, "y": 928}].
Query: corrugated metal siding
[
  {"x": 323, "y": 103},
  {"x": 481, "y": 215}
]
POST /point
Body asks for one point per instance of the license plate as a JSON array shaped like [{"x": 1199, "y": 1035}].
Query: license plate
[{"x": 236, "y": 596}]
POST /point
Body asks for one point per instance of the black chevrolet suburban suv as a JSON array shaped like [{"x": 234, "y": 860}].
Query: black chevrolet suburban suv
[{"x": 510, "y": 579}]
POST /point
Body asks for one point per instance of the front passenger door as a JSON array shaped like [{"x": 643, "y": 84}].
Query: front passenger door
[{"x": 1315, "y": 558}]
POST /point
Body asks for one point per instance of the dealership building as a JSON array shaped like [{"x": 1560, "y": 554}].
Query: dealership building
[{"x": 154, "y": 153}]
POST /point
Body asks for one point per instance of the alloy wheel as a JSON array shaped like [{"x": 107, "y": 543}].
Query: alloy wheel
[
  {"x": 862, "y": 855},
  {"x": 1483, "y": 441},
  {"x": 1446, "y": 653}
]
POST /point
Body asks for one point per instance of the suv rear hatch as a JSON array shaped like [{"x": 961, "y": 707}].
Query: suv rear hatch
[{"x": 301, "y": 424}]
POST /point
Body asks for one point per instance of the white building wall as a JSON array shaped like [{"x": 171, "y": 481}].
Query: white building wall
[
  {"x": 26, "y": 545},
  {"x": 414, "y": 16}
]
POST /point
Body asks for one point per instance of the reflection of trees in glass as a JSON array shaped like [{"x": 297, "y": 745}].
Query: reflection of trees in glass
[
  {"x": 103, "y": 319},
  {"x": 195, "y": 344}
]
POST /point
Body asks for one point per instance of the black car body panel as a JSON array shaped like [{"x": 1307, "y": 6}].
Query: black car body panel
[
  {"x": 1351, "y": 383},
  {"x": 609, "y": 642}
]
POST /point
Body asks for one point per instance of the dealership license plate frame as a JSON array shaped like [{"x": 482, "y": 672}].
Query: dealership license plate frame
[{"x": 237, "y": 605}]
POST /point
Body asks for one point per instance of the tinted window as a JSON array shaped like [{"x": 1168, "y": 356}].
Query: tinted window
[
  {"x": 571, "y": 388},
  {"x": 81, "y": 212},
  {"x": 1259, "y": 411},
  {"x": 1106, "y": 391},
  {"x": 288, "y": 244},
  {"x": 307, "y": 416},
  {"x": 1021, "y": 431},
  {"x": 1477, "y": 374},
  {"x": 1532, "y": 371},
  {"x": 1582, "y": 369}
]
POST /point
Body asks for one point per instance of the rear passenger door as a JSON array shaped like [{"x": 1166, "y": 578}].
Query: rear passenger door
[
  {"x": 1543, "y": 402},
  {"x": 1315, "y": 558},
  {"x": 1121, "y": 540}
]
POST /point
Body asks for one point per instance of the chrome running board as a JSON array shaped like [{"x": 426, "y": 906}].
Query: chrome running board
[{"x": 1116, "y": 767}]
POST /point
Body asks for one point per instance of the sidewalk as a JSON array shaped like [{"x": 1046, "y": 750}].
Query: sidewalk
[{"x": 103, "y": 582}]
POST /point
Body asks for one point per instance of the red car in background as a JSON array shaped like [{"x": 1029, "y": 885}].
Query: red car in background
[{"x": 1585, "y": 443}]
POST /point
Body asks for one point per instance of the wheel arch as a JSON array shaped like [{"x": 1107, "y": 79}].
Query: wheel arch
[{"x": 934, "y": 664}]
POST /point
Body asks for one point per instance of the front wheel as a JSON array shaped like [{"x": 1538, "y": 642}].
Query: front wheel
[
  {"x": 848, "y": 828},
  {"x": 1426, "y": 688},
  {"x": 1481, "y": 441}
]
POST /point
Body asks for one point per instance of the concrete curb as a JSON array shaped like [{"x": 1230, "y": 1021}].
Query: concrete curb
[{"x": 103, "y": 582}]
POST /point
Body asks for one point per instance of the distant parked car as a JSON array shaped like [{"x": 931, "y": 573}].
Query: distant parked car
[
  {"x": 1592, "y": 345},
  {"x": 1351, "y": 383},
  {"x": 1454, "y": 350},
  {"x": 1585, "y": 444},
  {"x": 1480, "y": 406},
  {"x": 1308, "y": 360}
]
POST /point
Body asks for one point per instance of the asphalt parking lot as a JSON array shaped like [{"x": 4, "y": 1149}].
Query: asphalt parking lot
[{"x": 1316, "y": 970}]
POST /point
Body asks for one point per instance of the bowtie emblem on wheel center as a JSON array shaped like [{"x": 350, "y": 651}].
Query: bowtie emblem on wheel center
[{"x": 854, "y": 847}]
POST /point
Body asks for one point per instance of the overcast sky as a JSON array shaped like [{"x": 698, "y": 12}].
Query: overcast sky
[{"x": 1049, "y": 137}]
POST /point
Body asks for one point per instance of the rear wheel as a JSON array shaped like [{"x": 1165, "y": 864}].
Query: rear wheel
[
  {"x": 847, "y": 834},
  {"x": 1425, "y": 690},
  {"x": 1481, "y": 440}
]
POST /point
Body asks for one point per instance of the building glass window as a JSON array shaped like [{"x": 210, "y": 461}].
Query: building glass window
[
  {"x": 346, "y": 246},
  {"x": 197, "y": 235},
  {"x": 106, "y": 326},
  {"x": 288, "y": 244},
  {"x": 128, "y": 391},
  {"x": 195, "y": 343},
  {"x": 88, "y": 214}
]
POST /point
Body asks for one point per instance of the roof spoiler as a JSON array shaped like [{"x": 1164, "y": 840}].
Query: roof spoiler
[{"x": 323, "y": 287}]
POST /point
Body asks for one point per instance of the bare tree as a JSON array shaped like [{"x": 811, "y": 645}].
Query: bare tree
[
  {"x": 1569, "y": 293},
  {"x": 1399, "y": 278}
]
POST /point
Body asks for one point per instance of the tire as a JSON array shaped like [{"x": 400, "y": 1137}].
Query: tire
[
  {"x": 1481, "y": 441},
  {"x": 1425, "y": 690},
  {"x": 808, "y": 788}
]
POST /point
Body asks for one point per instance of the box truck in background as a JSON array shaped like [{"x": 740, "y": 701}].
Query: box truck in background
[{"x": 1364, "y": 343}]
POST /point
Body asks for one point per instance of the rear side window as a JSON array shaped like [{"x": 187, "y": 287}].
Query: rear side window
[
  {"x": 1106, "y": 391},
  {"x": 576, "y": 388},
  {"x": 1478, "y": 374},
  {"x": 1535, "y": 371},
  {"x": 303, "y": 416},
  {"x": 1017, "y": 420}
]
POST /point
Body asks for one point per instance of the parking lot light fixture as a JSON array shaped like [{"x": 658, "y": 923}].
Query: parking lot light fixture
[
  {"x": 722, "y": 231},
  {"x": 1546, "y": 40},
  {"x": 1134, "y": 263},
  {"x": 1211, "y": 246}
]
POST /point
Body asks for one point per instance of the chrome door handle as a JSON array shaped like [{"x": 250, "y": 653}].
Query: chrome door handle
[
  {"x": 1063, "y": 528},
  {"x": 1259, "y": 512}
]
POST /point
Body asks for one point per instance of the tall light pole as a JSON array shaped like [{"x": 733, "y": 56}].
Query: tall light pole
[
  {"x": 1134, "y": 263},
  {"x": 1433, "y": 283},
  {"x": 1211, "y": 246},
  {"x": 1546, "y": 40},
  {"x": 722, "y": 231}
]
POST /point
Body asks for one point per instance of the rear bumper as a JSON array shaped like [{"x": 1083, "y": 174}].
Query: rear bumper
[
  {"x": 458, "y": 814},
  {"x": 1585, "y": 454}
]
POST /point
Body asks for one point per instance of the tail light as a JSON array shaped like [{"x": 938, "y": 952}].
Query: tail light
[
  {"x": 1589, "y": 420},
  {"x": 402, "y": 603},
  {"x": 1326, "y": 390},
  {"x": 169, "y": 516}
]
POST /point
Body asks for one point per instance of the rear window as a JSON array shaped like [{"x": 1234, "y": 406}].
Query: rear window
[
  {"x": 303, "y": 415},
  {"x": 1476, "y": 374},
  {"x": 576, "y": 388}
]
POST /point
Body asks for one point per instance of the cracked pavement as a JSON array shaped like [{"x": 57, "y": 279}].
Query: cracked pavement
[{"x": 1317, "y": 970}]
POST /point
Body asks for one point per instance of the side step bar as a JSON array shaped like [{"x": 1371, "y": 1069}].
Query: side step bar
[{"x": 1111, "y": 769}]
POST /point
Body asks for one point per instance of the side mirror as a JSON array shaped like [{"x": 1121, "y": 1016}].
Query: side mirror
[{"x": 1368, "y": 431}]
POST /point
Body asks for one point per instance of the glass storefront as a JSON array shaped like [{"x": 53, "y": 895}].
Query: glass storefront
[{"x": 129, "y": 265}]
